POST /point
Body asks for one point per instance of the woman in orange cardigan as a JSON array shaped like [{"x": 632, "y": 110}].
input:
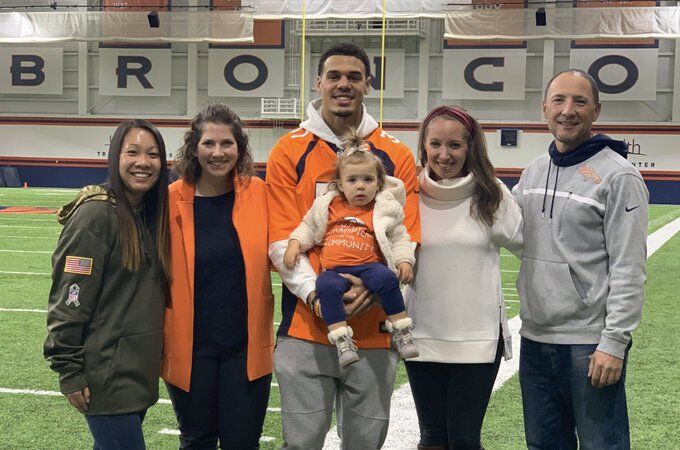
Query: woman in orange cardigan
[{"x": 218, "y": 341}]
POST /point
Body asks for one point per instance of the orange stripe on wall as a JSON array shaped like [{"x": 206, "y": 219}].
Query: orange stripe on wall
[{"x": 290, "y": 124}]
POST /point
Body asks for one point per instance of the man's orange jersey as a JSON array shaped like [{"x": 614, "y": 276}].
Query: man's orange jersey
[{"x": 299, "y": 167}]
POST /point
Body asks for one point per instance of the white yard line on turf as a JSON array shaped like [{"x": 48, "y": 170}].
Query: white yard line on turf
[
  {"x": 44, "y": 311},
  {"x": 5, "y": 272},
  {"x": 161, "y": 401},
  {"x": 29, "y": 392},
  {"x": 661, "y": 236},
  {"x": 176, "y": 433},
  {"x": 403, "y": 432},
  {"x": 28, "y": 228}
]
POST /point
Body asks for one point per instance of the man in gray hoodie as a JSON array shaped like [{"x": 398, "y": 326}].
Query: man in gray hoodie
[{"x": 581, "y": 283}]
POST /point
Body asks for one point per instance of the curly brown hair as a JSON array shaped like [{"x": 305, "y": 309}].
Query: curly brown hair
[{"x": 186, "y": 162}]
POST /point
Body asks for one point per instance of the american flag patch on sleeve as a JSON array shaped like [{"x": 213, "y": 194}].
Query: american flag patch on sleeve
[{"x": 78, "y": 265}]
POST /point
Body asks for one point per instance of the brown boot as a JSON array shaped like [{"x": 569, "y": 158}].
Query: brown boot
[{"x": 432, "y": 447}]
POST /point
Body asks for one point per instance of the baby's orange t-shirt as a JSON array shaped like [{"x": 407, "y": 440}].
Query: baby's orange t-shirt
[{"x": 350, "y": 239}]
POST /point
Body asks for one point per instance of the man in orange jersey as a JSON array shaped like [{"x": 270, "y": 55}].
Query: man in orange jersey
[{"x": 300, "y": 166}]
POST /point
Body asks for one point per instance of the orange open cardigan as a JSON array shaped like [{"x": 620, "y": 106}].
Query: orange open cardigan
[{"x": 250, "y": 221}]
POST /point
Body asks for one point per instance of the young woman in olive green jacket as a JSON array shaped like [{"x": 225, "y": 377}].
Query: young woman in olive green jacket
[{"x": 108, "y": 295}]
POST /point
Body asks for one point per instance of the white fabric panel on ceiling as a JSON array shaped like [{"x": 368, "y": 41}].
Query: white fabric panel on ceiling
[
  {"x": 567, "y": 23},
  {"x": 346, "y": 9},
  {"x": 194, "y": 26}
]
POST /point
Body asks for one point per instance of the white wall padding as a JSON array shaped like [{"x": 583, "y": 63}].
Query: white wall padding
[
  {"x": 564, "y": 23},
  {"x": 185, "y": 26}
]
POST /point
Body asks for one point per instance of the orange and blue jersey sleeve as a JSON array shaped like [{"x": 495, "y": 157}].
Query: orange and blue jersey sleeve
[
  {"x": 405, "y": 170},
  {"x": 284, "y": 214}
]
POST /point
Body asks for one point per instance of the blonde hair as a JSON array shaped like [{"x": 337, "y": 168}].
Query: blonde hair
[{"x": 355, "y": 152}]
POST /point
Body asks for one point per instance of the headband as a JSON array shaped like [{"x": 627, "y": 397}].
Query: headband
[{"x": 462, "y": 116}]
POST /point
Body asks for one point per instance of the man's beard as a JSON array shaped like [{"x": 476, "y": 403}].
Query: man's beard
[{"x": 343, "y": 113}]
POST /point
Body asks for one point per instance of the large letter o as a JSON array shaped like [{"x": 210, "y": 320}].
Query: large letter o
[
  {"x": 632, "y": 73},
  {"x": 262, "y": 72}
]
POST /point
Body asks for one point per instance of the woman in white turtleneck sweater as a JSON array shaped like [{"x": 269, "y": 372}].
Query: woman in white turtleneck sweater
[{"x": 456, "y": 300}]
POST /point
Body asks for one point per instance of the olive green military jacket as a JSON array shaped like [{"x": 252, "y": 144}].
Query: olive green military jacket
[{"x": 105, "y": 323}]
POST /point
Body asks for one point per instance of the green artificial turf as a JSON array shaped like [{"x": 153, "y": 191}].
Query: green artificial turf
[{"x": 31, "y": 421}]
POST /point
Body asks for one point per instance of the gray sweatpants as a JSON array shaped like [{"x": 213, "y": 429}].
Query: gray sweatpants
[{"x": 310, "y": 380}]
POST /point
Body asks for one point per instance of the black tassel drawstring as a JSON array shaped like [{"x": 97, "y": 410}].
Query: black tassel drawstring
[
  {"x": 552, "y": 203},
  {"x": 545, "y": 191}
]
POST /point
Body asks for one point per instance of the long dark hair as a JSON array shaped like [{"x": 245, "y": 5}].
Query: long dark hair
[
  {"x": 186, "y": 161},
  {"x": 154, "y": 202},
  {"x": 487, "y": 193}
]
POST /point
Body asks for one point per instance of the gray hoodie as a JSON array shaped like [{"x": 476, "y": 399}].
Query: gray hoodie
[{"x": 585, "y": 236}]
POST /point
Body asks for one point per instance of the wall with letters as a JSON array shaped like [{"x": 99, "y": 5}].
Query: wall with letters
[
  {"x": 494, "y": 81},
  {"x": 59, "y": 103}
]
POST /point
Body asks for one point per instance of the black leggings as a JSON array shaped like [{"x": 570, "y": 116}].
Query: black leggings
[
  {"x": 222, "y": 404},
  {"x": 451, "y": 400}
]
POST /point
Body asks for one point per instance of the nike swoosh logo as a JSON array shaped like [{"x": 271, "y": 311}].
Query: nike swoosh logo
[{"x": 630, "y": 209}]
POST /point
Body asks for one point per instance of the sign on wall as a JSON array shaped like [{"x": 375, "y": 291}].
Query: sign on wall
[
  {"x": 621, "y": 73},
  {"x": 134, "y": 71},
  {"x": 485, "y": 69},
  {"x": 245, "y": 72},
  {"x": 31, "y": 70},
  {"x": 484, "y": 74},
  {"x": 624, "y": 69},
  {"x": 394, "y": 73}
]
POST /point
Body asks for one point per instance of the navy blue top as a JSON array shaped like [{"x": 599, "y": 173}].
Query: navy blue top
[{"x": 220, "y": 306}]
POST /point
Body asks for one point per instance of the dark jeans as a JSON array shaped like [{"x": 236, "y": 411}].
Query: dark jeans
[
  {"x": 560, "y": 404},
  {"x": 377, "y": 277},
  {"x": 451, "y": 400},
  {"x": 117, "y": 431},
  {"x": 222, "y": 404}
]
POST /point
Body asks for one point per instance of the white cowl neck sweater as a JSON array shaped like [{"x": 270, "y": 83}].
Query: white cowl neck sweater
[{"x": 456, "y": 299}]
